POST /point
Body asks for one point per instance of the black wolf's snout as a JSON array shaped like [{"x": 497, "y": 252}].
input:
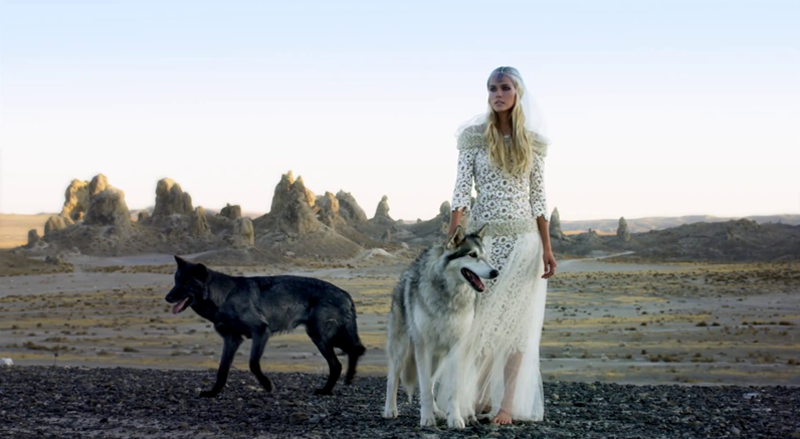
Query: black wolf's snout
[
  {"x": 493, "y": 274},
  {"x": 169, "y": 298}
]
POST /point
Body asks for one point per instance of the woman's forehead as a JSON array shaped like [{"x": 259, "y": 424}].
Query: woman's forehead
[{"x": 499, "y": 79}]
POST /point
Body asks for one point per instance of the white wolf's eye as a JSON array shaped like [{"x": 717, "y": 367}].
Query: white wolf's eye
[{"x": 473, "y": 255}]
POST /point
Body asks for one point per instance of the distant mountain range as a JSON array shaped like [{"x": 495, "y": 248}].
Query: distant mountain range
[{"x": 639, "y": 225}]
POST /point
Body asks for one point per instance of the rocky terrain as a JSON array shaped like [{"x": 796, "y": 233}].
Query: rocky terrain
[
  {"x": 303, "y": 225},
  {"x": 736, "y": 240},
  {"x": 44, "y": 402},
  {"x": 642, "y": 225}
]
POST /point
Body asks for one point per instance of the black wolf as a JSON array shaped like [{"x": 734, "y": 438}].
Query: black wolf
[{"x": 257, "y": 307}]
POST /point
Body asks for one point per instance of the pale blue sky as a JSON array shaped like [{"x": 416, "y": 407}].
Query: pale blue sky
[{"x": 653, "y": 108}]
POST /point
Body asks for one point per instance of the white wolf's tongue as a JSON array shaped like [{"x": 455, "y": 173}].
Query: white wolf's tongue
[
  {"x": 177, "y": 308},
  {"x": 476, "y": 280}
]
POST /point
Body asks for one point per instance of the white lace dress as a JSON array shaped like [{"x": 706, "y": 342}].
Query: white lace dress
[{"x": 509, "y": 314}]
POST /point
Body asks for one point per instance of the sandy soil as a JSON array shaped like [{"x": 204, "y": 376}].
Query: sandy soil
[
  {"x": 14, "y": 228},
  {"x": 609, "y": 322}
]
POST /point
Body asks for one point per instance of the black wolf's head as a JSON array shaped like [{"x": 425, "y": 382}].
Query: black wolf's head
[
  {"x": 190, "y": 285},
  {"x": 465, "y": 254}
]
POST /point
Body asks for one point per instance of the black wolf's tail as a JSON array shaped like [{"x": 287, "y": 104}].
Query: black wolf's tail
[{"x": 355, "y": 349}]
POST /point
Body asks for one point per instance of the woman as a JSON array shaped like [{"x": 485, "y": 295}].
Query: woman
[{"x": 503, "y": 154}]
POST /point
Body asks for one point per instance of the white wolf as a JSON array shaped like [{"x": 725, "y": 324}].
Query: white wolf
[{"x": 433, "y": 306}]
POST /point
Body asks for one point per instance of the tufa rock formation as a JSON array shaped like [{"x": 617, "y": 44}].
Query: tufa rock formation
[
  {"x": 171, "y": 199},
  {"x": 293, "y": 206},
  {"x": 54, "y": 223},
  {"x": 143, "y": 216},
  {"x": 623, "y": 233},
  {"x": 76, "y": 201},
  {"x": 382, "y": 211},
  {"x": 198, "y": 223},
  {"x": 349, "y": 209},
  {"x": 444, "y": 211},
  {"x": 33, "y": 238},
  {"x": 243, "y": 233},
  {"x": 328, "y": 210},
  {"x": 231, "y": 212},
  {"x": 108, "y": 208},
  {"x": 98, "y": 184},
  {"x": 555, "y": 226},
  {"x": 287, "y": 188}
]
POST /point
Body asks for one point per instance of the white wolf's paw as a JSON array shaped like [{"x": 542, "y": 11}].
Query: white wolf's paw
[
  {"x": 472, "y": 420},
  {"x": 427, "y": 421},
  {"x": 390, "y": 413},
  {"x": 455, "y": 422},
  {"x": 439, "y": 414}
]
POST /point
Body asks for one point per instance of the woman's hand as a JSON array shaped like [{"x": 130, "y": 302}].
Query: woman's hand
[{"x": 549, "y": 264}]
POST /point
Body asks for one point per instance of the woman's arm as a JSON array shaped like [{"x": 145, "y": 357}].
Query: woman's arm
[
  {"x": 539, "y": 209},
  {"x": 455, "y": 220}
]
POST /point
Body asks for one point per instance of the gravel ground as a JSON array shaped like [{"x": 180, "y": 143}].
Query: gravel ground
[{"x": 40, "y": 402}]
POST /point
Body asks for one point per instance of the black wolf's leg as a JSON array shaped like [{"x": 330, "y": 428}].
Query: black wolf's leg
[
  {"x": 335, "y": 369},
  {"x": 257, "y": 350},
  {"x": 232, "y": 343},
  {"x": 326, "y": 349}
]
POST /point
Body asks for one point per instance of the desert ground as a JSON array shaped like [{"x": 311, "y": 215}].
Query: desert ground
[
  {"x": 631, "y": 348},
  {"x": 607, "y": 321}
]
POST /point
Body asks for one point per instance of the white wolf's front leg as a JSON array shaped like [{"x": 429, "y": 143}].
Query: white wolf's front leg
[
  {"x": 424, "y": 366},
  {"x": 454, "y": 419},
  {"x": 438, "y": 413},
  {"x": 392, "y": 381}
]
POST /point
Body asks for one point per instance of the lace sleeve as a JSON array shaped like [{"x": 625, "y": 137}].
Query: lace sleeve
[
  {"x": 538, "y": 200},
  {"x": 463, "y": 190}
]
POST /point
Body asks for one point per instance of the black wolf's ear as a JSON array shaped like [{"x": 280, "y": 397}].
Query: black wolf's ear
[
  {"x": 455, "y": 239},
  {"x": 200, "y": 272},
  {"x": 180, "y": 260},
  {"x": 481, "y": 232}
]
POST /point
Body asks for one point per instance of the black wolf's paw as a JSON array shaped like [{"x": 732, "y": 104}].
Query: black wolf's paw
[
  {"x": 208, "y": 394},
  {"x": 323, "y": 392},
  {"x": 348, "y": 380}
]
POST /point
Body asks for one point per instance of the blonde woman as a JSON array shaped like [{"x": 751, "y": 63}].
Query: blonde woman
[{"x": 502, "y": 154}]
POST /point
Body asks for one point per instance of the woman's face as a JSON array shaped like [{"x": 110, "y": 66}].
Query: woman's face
[{"x": 502, "y": 93}]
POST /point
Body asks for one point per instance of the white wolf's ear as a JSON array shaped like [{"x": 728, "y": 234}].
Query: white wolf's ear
[
  {"x": 455, "y": 239},
  {"x": 481, "y": 232}
]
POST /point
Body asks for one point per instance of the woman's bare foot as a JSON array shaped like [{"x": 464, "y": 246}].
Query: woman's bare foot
[{"x": 502, "y": 418}]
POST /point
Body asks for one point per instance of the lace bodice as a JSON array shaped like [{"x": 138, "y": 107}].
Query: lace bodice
[{"x": 507, "y": 204}]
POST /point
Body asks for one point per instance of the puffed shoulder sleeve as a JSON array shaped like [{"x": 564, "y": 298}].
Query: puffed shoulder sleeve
[{"x": 468, "y": 143}]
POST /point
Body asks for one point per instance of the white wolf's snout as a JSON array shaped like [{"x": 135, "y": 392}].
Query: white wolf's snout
[{"x": 483, "y": 269}]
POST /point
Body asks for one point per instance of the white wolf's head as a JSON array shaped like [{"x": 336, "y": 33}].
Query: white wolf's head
[{"x": 465, "y": 254}]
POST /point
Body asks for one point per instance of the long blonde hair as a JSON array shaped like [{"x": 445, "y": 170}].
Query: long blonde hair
[{"x": 517, "y": 157}]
